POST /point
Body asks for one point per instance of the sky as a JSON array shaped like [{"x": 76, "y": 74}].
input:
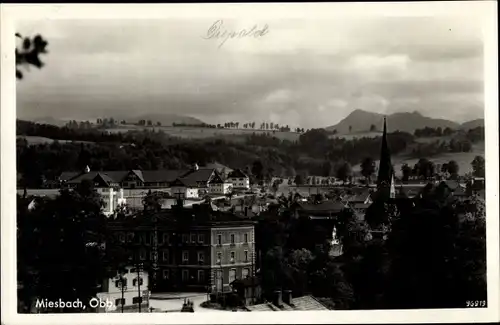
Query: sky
[{"x": 308, "y": 73}]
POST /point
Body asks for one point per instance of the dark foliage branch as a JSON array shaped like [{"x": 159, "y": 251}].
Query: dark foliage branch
[{"x": 28, "y": 53}]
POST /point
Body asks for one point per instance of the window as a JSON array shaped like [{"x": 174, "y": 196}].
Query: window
[
  {"x": 246, "y": 256},
  {"x": 219, "y": 258},
  {"x": 137, "y": 300},
  {"x": 147, "y": 239},
  {"x": 219, "y": 239},
  {"x": 185, "y": 256},
  {"x": 130, "y": 237},
  {"x": 232, "y": 238},
  {"x": 151, "y": 255},
  {"x": 201, "y": 238},
  {"x": 193, "y": 238},
  {"x": 119, "y": 302},
  {"x": 232, "y": 275},
  {"x": 201, "y": 276},
  {"x": 185, "y": 238},
  {"x": 245, "y": 273},
  {"x": 232, "y": 257},
  {"x": 246, "y": 238},
  {"x": 185, "y": 275},
  {"x": 165, "y": 256},
  {"x": 137, "y": 281},
  {"x": 121, "y": 237},
  {"x": 166, "y": 274},
  {"x": 201, "y": 257},
  {"x": 142, "y": 255},
  {"x": 118, "y": 283},
  {"x": 166, "y": 239}
]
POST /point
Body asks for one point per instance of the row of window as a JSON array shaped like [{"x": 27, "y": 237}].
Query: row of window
[
  {"x": 186, "y": 277},
  {"x": 163, "y": 239},
  {"x": 186, "y": 238},
  {"x": 121, "y": 301},
  {"x": 232, "y": 239},
  {"x": 232, "y": 275},
  {"x": 200, "y": 256},
  {"x": 232, "y": 257},
  {"x": 123, "y": 282}
]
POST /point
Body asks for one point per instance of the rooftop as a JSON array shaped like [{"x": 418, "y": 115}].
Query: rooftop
[{"x": 303, "y": 303}]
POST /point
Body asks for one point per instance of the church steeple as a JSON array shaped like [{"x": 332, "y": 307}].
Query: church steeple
[{"x": 385, "y": 180}]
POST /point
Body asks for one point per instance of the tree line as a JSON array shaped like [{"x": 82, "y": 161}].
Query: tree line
[{"x": 314, "y": 153}]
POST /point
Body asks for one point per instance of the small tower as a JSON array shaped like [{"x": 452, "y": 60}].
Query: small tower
[
  {"x": 195, "y": 166},
  {"x": 87, "y": 169}
]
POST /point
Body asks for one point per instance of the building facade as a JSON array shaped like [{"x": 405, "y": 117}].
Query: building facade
[
  {"x": 129, "y": 289},
  {"x": 239, "y": 179},
  {"x": 188, "y": 249}
]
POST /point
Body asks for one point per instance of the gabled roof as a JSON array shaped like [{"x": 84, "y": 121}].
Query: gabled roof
[
  {"x": 300, "y": 304},
  {"x": 83, "y": 177},
  {"x": 103, "y": 179},
  {"x": 66, "y": 176},
  {"x": 325, "y": 206},
  {"x": 162, "y": 176},
  {"x": 202, "y": 175},
  {"x": 216, "y": 179},
  {"x": 237, "y": 173},
  {"x": 138, "y": 173},
  {"x": 218, "y": 166},
  {"x": 180, "y": 182}
]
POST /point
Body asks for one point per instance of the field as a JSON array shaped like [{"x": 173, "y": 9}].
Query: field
[
  {"x": 202, "y": 133},
  {"x": 34, "y": 140}
]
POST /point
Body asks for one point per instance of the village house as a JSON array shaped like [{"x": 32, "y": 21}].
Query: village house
[{"x": 239, "y": 180}]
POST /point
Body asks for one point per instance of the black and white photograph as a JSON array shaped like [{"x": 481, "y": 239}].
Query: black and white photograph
[{"x": 206, "y": 158}]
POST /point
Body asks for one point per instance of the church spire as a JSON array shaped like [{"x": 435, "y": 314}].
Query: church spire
[{"x": 385, "y": 180}]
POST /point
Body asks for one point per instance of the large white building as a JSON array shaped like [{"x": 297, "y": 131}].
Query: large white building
[{"x": 128, "y": 288}]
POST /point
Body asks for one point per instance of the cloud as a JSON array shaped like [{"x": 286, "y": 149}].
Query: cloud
[{"x": 303, "y": 72}]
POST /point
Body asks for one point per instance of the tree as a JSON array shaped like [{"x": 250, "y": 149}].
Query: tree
[
  {"x": 368, "y": 167},
  {"x": 478, "y": 166},
  {"x": 61, "y": 251},
  {"x": 424, "y": 168},
  {"x": 299, "y": 179},
  {"x": 458, "y": 255},
  {"x": 452, "y": 168},
  {"x": 229, "y": 193},
  {"x": 344, "y": 171},
  {"x": 29, "y": 53},
  {"x": 406, "y": 171},
  {"x": 153, "y": 201},
  {"x": 258, "y": 170}
]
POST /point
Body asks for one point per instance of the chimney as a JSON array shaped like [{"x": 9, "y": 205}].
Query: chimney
[
  {"x": 287, "y": 297},
  {"x": 195, "y": 166},
  {"x": 277, "y": 301},
  {"x": 87, "y": 169}
]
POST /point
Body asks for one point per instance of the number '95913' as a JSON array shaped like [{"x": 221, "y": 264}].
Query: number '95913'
[{"x": 475, "y": 303}]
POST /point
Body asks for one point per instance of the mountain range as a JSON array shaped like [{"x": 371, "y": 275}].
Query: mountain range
[{"x": 362, "y": 121}]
